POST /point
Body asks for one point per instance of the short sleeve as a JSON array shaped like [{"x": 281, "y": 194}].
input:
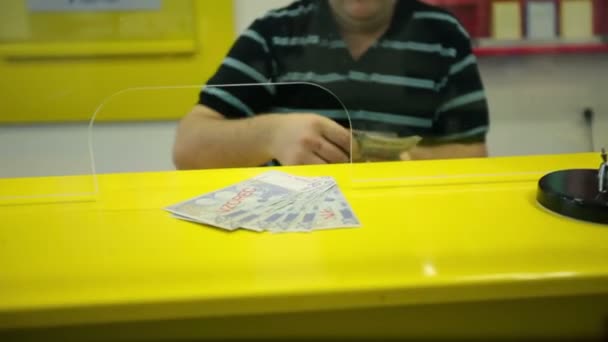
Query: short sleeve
[
  {"x": 240, "y": 87},
  {"x": 462, "y": 115}
]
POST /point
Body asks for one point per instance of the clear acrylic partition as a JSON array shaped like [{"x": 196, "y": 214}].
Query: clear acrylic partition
[
  {"x": 45, "y": 163},
  {"x": 144, "y": 146},
  {"x": 378, "y": 154},
  {"x": 133, "y": 130}
]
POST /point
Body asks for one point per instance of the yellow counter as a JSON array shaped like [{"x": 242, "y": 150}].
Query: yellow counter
[{"x": 432, "y": 259}]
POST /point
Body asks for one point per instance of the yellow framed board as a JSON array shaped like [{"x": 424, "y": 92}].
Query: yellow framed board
[
  {"x": 59, "y": 66},
  {"x": 577, "y": 19},
  {"x": 506, "y": 23}
]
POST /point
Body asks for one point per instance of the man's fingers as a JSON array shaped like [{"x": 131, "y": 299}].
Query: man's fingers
[
  {"x": 303, "y": 158},
  {"x": 405, "y": 156},
  {"x": 331, "y": 153},
  {"x": 336, "y": 134},
  {"x": 311, "y": 159},
  {"x": 355, "y": 152}
]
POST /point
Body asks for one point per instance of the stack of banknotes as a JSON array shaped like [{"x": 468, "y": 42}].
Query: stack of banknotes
[
  {"x": 273, "y": 201},
  {"x": 376, "y": 146}
]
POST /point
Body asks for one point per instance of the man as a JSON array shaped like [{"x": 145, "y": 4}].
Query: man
[{"x": 402, "y": 67}]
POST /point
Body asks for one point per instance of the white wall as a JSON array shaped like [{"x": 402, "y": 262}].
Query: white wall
[
  {"x": 60, "y": 149},
  {"x": 536, "y": 104}
]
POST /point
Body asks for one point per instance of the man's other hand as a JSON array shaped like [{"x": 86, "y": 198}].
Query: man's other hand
[{"x": 302, "y": 139}]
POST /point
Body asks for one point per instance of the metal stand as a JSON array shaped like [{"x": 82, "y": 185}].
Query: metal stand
[{"x": 581, "y": 194}]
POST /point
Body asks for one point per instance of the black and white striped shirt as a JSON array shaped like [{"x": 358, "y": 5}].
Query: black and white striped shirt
[{"x": 420, "y": 77}]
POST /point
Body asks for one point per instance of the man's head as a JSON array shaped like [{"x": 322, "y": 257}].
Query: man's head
[{"x": 363, "y": 15}]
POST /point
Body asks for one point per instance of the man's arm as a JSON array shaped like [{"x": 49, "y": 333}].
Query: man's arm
[
  {"x": 447, "y": 151},
  {"x": 205, "y": 139}
]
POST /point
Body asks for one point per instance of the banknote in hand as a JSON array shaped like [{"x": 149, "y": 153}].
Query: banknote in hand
[{"x": 374, "y": 146}]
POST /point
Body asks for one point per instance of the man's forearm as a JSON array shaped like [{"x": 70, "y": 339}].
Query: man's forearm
[
  {"x": 447, "y": 151},
  {"x": 206, "y": 140}
]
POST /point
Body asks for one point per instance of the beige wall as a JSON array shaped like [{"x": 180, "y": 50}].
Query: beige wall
[{"x": 536, "y": 103}]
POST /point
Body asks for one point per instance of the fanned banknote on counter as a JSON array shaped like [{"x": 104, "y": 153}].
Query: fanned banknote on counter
[
  {"x": 273, "y": 201},
  {"x": 376, "y": 146}
]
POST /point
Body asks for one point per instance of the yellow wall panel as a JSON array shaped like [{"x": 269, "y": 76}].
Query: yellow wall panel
[
  {"x": 506, "y": 23},
  {"x": 577, "y": 19},
  {"x": 61, "y": 70}
]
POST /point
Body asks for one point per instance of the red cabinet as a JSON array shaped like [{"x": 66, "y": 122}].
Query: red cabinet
[
  {"x": 600, "y": 17},
  {"x": 473, "y": 14},
  {"x": 476, "y": 17}
]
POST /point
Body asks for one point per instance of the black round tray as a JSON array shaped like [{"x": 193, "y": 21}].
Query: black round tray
[{"x": 574, "y": 193}]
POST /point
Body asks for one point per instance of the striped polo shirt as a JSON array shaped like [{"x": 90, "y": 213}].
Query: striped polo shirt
[{"x": 420, "y": 77}]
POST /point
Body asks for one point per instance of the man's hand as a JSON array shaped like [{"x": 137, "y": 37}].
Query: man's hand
[{"x": 298, "y": 139}]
